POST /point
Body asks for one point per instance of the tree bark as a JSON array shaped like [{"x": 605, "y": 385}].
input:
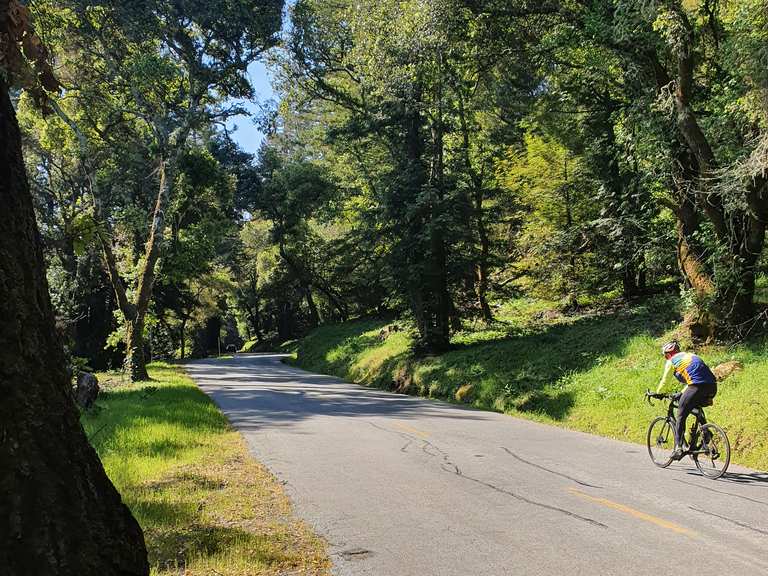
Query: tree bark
[
  {"x": 59, "y": 513},
  {"x": 255, "y": 315},
  {"x": 314, "y": 315},
  {"x": 439, "y": 301},
  {"x": 742, "y": 233},
  {"x": 183, "y": 333},
  {"x": 476, "y": 178},
  {"x": 481, "y": 266},
  {"x": 572, "y": 300},
  {"x": 135, "y": 362},
  {"x": 133, "y": 312},
  {"x": 155, "y": 240},
  {"x": 690, "y": 257}
]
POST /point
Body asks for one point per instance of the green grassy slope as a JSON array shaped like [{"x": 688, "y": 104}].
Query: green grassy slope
[
  {"x": 587, "y": 372},
  {"x": 206, "y": 507}
]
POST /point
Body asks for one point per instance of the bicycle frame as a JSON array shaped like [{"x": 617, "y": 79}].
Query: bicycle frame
[
  {"x": 699, "y": 420},
  {"x": 708, "y": 447}
]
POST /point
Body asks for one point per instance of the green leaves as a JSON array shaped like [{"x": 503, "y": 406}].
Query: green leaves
[{"x": 84, "y": 232}]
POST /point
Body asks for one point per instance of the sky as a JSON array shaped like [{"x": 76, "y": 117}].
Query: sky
[{"x": 247, "y": 134}]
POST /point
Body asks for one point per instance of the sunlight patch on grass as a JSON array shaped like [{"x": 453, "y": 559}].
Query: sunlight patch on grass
[
  {"x": 206, "y": 507},
  {"x": 584, "y": 371}
]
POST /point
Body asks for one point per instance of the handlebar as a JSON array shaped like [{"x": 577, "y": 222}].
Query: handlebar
[{"x": 655, "y": 396}]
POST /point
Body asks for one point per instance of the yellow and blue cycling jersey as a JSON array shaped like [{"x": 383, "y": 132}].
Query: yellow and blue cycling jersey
[{"x": 689, "y": 369}]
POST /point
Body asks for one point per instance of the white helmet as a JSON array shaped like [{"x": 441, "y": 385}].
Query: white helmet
[{"x": 670, "y": 347}]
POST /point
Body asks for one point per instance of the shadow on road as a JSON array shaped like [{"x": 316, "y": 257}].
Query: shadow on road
[
  {"x": 756, "y": 478},
  {"x": 267, "y": 393}
]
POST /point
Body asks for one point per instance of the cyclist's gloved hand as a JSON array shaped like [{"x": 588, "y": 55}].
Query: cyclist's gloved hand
[{"x": 677, "y": 395}]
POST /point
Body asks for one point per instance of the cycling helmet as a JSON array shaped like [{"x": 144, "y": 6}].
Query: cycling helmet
[{"x": 670, "y": 347}]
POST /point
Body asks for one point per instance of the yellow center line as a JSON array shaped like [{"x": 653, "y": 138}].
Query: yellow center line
[
  {"x": 411, "y": 429},
  {"x": 635, "y": 513}
]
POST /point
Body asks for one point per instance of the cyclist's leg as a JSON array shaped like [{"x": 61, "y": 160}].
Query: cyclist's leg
[
  {"x": 709, "y": 393},
  {"x": 693, "y": 397},
  {"x": 686, "y": 403}
]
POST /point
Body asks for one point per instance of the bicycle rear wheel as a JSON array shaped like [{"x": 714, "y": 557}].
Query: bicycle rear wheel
[
  {"x": 714, "y": 454},
  {"x": 661, "y": 441}
]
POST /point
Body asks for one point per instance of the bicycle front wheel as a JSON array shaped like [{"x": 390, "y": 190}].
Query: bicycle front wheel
[
  {"x": 714, "y": 455},
  {"x": 661, "y": 441}
]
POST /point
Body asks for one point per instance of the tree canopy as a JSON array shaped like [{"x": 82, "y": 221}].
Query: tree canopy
[{"x": 427, "y": 160}]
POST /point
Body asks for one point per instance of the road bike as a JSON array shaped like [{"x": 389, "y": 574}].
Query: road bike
[{"x": 709, "y": 447}]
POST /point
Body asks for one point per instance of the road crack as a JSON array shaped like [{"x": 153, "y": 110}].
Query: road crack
[
  {"x": 731, "y": 520},
  {"x": 540, "y": 467},
  {"x": 448, "y": 466},
  {"x": 536, "y": 503},
  {"x": 721, "y": 492}
]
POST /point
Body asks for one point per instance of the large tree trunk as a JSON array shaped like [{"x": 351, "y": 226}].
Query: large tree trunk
[
  {"x": 59, "y": 513},
  {"x": 737, "y": 299},
  {"x": 135, "y": 315},
  {"x": 482, "y": 264},
  {"x": 314, "y": 315},
  {"x": 254, "y": 313},
  {"x": 135, "y": 362},
  {"x": 183, "y": 335},
  {"x": 428, "y": 285},
  {"x": 699, "y": 321},
  {"x": 742, "y": 233},
  {"x": 133, "y": 312},
  {"x": 155, "y": 240},
  {"x": 691, "y": 258},
  {"x": 443, "y": 305}
]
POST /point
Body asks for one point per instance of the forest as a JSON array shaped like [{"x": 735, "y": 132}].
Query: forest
[{"x": 425, "y": 162}]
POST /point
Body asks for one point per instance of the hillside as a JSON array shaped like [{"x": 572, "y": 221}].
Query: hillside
[{"x": 586, "y": 371}]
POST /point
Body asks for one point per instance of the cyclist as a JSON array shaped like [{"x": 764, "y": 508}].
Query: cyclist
[{"x": 700, "y": 387}]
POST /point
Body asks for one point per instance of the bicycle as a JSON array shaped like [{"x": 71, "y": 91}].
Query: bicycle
[{"x": 709, "y": 447}]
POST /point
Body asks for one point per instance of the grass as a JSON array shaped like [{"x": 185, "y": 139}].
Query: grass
[
  {"x": 206, "y": 507},
  {"x": 585, "y": 372}
]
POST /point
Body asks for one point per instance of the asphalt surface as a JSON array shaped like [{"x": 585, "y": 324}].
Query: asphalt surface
[{"x": 403, "y": 486}]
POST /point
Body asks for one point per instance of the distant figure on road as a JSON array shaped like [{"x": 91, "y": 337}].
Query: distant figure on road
[{"x": 700, "y": 387}]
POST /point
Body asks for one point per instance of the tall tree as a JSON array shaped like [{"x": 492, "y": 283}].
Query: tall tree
[
  {"x": 736, "y": 210},
  {"x": 159, "y": 72},
  {"x": 59, "y": 513}
]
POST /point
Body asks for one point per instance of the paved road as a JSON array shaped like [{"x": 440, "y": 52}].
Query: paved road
[{"x": 402, "y": 486}]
